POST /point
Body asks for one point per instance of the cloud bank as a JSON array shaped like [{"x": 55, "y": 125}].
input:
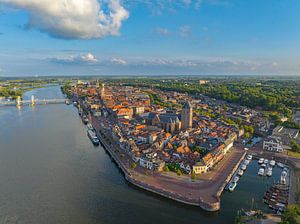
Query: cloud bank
[
  {"x": 87, "y": 58},
  {"x": 73, "y": 19}
]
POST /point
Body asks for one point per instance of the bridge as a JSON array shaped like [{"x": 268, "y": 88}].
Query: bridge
[{"x": 33, "y": 101}]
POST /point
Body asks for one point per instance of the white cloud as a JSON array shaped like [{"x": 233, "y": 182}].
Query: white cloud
[
  {"x": 74, "y": 19},
  {"x": 118, "y": 61},
  {"x": 185, "y": 31},
  {"x": 162, "y": 31},
  {"x": 87, "y": 58}
]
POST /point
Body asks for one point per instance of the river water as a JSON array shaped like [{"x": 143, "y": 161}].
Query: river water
[{"x": 51, "y": 173}]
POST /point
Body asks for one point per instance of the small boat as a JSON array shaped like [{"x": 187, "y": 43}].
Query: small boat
[
  {"x": 261, "y": 171},
  {"x": 235, "y": 179},
  {"x": 283, "y": 177},
  {"x": 284, "y": 173},
  {"x": 90, "y": 127},
  {"x": 240, "y": 172},
  {"x": 85, "y": 119},
  {"x": 246, "y": 162},
  {"x": 272, "y": 162},
  {"x": 280, "y": 165},
  {"x": 269, "y": 171},
  {"x": 266, "y": 161},
  {"x": 263, "y": 165},
  {"x": 93, "y": 137},
  {"x": 261, "y": 160},
  {"x": 249, "y": 156},
  {"x": 232, "y": 186},
  {"x": 243, "y": 167}
]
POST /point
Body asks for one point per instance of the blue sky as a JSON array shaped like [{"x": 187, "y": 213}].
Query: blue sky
[{"x": 144, "y": 37}]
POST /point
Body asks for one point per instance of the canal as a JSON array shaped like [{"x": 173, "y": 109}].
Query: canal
[{"x": 51, "y": 173}]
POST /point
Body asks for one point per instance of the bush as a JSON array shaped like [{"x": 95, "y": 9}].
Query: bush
[
  {"x": 133, "y": 165},
  {"x": 179, "y": 172},
  {"x": 295, "y": 146},
  {"x": 166, "y": 168},
  {"x": 193, "y": 175},
  {"x": 291, "y": 215}
]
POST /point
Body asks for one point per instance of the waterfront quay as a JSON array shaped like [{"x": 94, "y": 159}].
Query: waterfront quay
[{"x": 204, "y": 192}]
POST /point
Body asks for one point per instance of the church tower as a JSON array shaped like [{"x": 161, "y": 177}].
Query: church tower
[
  {"x": 102, "y": 91},
  {"x": 187, "y": 115}
]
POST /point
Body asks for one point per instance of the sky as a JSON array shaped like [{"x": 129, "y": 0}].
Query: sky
[{"x": 149, "y": 37}]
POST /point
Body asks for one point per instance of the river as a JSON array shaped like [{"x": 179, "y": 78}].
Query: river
[{"x": 51, "y": 173}]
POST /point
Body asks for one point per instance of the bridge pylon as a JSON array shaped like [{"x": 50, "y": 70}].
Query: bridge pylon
[
  {"x": 32, "y": 100},
  {"x": 18, "y": 101}
]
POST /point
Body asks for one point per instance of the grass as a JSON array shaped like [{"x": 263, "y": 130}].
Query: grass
[{"x": 294, "y": 154}]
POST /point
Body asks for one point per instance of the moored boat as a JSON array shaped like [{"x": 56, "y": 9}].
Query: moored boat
[
  {"x": 232, "y": 186},
  {"x": 246, "y": 162},
  {"x": 269, "y": 171},
  {"x": 261, "y": 171},
  {"x": 263, "y": 165},
  {"x": 266, "y": 161},
  {"x": 90, "y": 127},
  {"x": 261, "y": 160},
  {"x": 85, "y": 120},
  {"x": 235, "y": 179},
  {"x": 280, "y": 165},
  {"x": 243, "y": 167},
  {"x": 93, "y": 137},
  {"x": 240, "y": 172},
  {"x": 272, "y": 162},
  {"x": 249, "y": 156}
]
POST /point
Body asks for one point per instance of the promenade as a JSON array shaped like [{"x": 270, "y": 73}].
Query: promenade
[{"x": 204, "y": 191}]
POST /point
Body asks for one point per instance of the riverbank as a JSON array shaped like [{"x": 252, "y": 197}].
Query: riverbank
[{"x": 204, "y": 193}]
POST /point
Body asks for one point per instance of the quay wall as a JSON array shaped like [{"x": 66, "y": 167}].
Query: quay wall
[
  {"x": 207, "y": 206},
  {"x": 221, "y": 189}
]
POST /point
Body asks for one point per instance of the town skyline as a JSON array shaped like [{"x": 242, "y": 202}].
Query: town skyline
[{"x": 184, "y": 37}]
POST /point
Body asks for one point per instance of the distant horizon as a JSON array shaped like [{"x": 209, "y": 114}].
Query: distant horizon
[{"x": 153, "y": 76}]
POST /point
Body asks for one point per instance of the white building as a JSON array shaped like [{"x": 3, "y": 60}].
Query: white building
[{"x": 273, "y": 144}]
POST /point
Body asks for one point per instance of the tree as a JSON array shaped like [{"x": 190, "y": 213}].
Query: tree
[
  {"x": 193, "y": 175},
  {"x": 247, "y": 135},
  {"x": 133, "y": 165},
  {"x": 166, "y": 168},
  {"x": 295, "y": 146},
  {"x": 291, "y": 215},
  {"x": 179, "y": 172}
]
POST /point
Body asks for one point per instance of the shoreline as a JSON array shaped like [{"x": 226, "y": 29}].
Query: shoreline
[{"x": 209, "y": 203}]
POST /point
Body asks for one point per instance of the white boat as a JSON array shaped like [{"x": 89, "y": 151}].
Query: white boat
[
  {"x": 232, "y": 186},
  {"x": 272, "y": 162},
  {"x": 240, "y": 172},
  {"x": 261, "y": 160},
  {"x": 249, "y": 156},
  {"x": 284, "y": 173},
  {"x": 243, "y": 167},
  {"x": 235, "y": 179},
  {"x": 261, "y": 171},
  {"x": 269, "y": 171},
  {"x": 90, "y": 127},
  {"x": 263, "y": 165},
  {"x": 246, "y": 162},
  {"x": 266, "y": 161},
  {"x": 93, "y": 137},
  {"x": 282, "y": 180},
  {"x": 280, "y": 165}
]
